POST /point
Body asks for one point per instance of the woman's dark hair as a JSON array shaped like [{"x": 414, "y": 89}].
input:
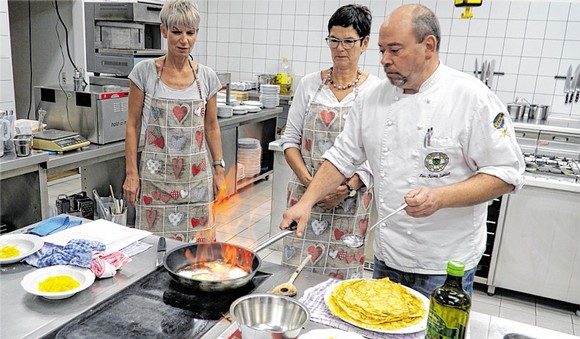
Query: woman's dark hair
[{"x": 358, "y": 16}]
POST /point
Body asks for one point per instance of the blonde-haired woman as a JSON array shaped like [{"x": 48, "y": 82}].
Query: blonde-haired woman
[{"x": 172, "y": 105}]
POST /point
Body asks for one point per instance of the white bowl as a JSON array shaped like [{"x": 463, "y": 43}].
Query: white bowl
[
  {"x": 83, "y": 275},
  {"x": 27, "y": 244}
]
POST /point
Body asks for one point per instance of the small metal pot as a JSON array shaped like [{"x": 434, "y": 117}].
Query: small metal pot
[
  {"x": 267, "y": 316},
  {"x": 22, "y": 144},
  {"x": 265, "y": 79},
  {"x": 515, "y": 110}
]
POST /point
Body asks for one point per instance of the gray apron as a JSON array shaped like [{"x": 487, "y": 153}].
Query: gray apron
[
  {"x": 326, "y": 226},
  {"x": 176, "y": 176}
]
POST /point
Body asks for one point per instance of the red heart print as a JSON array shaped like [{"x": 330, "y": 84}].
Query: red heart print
[
  {"x": 195, "y": 170},
  {"x": 367, "y": 197},
  {"x": 315, "y": 251},
  {"x": 156, "y": 195},
  {"x": 341, "y": 255},
  {"x": 180, "y": 112},
  {"x": 151, "y": 138},
  {"x": 160, "y": 142},
  {"x": 327, "y": 116},
  {"x": 174, "y": 194},
  {"x": 338, "y": 233},
  {"x": 357, "y": 256},
  {"x": 147, "y": 200},
  {"x": 337, "y": 275},
  {"x": 349, "y": 259},
  {"x": 177, "y": 164},
  {"x": 165, "y": 197},
  {"x": 202, "y": 165},
  {"x": 308, "y": 144},
  {"x": 150, "y": 216},
  {"x": 201, "y": 221},
  {"x": 199, "y": 138},
  {"x": 362, "y": 225}
]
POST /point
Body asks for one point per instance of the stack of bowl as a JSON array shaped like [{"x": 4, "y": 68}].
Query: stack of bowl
[{"x": 270, "y": 95}]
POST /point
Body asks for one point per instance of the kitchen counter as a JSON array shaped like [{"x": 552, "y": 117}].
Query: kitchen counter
[
  {"x": 554, "y": 123},
  {"x": 28, "y": 316}
]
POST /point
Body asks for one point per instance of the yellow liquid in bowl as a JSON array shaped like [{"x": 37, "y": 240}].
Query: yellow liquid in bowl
[
  {"x": 9, "y": 251},
  {"x": 58, "y": 283}
]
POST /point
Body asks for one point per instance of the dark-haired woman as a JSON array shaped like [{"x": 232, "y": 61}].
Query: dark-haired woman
[{"x": 318, "y": 113}]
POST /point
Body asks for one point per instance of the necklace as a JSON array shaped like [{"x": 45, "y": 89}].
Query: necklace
[{"x": 339, "y": 87}]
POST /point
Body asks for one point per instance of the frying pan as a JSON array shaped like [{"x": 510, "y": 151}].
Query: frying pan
[{"x": 175, "y": 260}]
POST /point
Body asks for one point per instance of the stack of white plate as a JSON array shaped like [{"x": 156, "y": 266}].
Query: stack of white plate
[
  {"x": 240, "y": 110},
  {"x": 224, "y": 111},
  {"x": 233, "y": 102},
  {"x": 240, "y": 172},
  {"x": 249, "y": 155},
  {"x": 270, "y": 95},
  {"x": 252, "y": 109},
  {"x": 252, "y": 103}
]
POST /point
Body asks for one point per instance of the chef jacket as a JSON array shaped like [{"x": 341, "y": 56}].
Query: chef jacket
[{"x": 452, "y": 129}]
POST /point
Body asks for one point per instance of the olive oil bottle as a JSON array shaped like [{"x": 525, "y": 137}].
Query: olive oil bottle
[{"x": 449, "y": 306}]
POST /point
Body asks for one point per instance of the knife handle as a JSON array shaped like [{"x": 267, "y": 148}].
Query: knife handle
[
  {"x": 566, "y": 100},
  {"x": 577, "y": 96}
]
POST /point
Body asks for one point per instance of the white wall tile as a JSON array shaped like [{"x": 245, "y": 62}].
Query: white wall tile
[
  {"x": 475, "y": 45},
  {"x": 516, "y": 29},
  {"x": 496, "y": 28},
  {"x": 532, "y": 47},
  {"x": 506, "y": 82},
  {"x": 482, "y": 11},
  {"x": 6, "y": 95},
  {"x": 444, "y": 10},
  {"x": 261, "y": 21},
  {"x": 317, "y": 23},
  {"x": 548, "y": 67},
  {"x": 543, "y": 99},
  {"x": 247, "y": 36},
  {"x": 494, "y": 46},
  {"x": 535, "y": 29},
  {"x": 477, "y": 27},
  {"x": 529, "y": 66},
  {"x": 300, "y": 38},
  {"x": 509, "y": 65},
  {"x": 273, "y": 37},
  {"x": 526, "y": 83},
  {"x": 445, "y": 25},
  {"x": 505, "y": 96},
  {"x": 234, "y": 49},
  {"x": 574, "y": 13},
  {"x": 236, "y": 20},
  {"x": 313, "y": 54},
  {"x": 559, "y": 11},
  {"x": 259, "y": 52},
  {"x": 5, "y": 41},
  {"x": 457, "y": 45},
  {"x": 570, "y": 49},
  {"x": 545, "y": 85},
  {"x": 519, "y": 10},
  {"x": 260, "y": 36},
  {"x": 5, "y": 69},
  {"x": 552, "y": 48},
  {"x": 4, "y": 6},
  {"x": 261, "y": 7},
  {"x": 555, "y": 30},
  {"x": 538, "y": 10},
  {"x": 499, "y": 9},
  {"x": 222, "y": 49},
  {"x": 573, "y": 30},
  {"x": 455, "y": 61},
  {"x": 459, "y": 27},
  {"x": 4, "y": 28},
  {"x": 289, "y": 7},
  {"x": 287, "y": 37},
  {"x": 272, "y": 53},
  {"x": 299, "y": 53}
]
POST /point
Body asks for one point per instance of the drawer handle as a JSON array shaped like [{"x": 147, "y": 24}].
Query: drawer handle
[{"x": 560, "y": 139}]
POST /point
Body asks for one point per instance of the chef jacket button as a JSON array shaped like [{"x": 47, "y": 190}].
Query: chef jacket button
[
  {"x": 419, "y": 127},
  {"x": 381, "y": 200},
  {"x": 383, "y": 224},
  {"x": 409, "y": 232},
  {"x": 382, "y": 174},
  {"x": 389, "y": 123},
  {"x": 396, "y": 98},
  {"x": 411, "y": 181},
  {"x": 386, "y": 150},
  {"x": 345, "y": 115},
  {"x": 428, "y": 101},
  {"x": 416, "y": 154}
]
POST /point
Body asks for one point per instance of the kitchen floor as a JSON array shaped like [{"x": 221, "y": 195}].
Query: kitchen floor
[{"x": 246, "y": 222}]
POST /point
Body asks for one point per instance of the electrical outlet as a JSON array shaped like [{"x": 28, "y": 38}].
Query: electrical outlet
[{"x": 63, "y": 78}]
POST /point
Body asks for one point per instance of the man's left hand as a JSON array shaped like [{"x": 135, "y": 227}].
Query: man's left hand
[{"x": 422, "y": 202}]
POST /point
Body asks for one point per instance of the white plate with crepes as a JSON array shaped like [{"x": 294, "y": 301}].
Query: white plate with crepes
[
  {"x": 330, "y": 333},
  {"x": 84, "y": 276},
  {"x": 417, "y": 327},
  {"x": 15, "y": 247}
]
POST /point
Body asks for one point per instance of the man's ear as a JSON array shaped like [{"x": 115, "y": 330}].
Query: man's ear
[{"x": 430, "y": 43}]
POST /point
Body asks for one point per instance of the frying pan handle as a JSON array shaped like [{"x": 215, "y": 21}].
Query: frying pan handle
[{"x": 277, "y": 237}]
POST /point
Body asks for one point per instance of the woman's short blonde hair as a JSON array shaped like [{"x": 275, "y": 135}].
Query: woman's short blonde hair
[{"x": 180, "y": 13}]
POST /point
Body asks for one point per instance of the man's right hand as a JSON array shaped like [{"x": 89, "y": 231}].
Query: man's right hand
[{"x": 299, "y": 213}]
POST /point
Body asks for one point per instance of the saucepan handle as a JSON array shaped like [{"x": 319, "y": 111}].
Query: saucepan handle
[{"x": 277, "y": 237}]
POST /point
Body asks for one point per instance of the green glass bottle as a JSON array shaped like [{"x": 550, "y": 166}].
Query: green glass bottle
[{"x": 449, "y": 306}]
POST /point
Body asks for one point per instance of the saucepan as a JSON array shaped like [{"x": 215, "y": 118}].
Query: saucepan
[{"x": 217, "y": 266}]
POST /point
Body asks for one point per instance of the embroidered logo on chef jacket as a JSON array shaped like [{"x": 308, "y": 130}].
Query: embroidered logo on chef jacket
[
  {"x": 436, "y": 161},
  {"x": 499, "y": 121}
]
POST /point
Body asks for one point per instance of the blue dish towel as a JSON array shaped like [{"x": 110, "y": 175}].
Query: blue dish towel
[
  {"x": 54, "y": 224},
  {"x": 78, "y": 252}
]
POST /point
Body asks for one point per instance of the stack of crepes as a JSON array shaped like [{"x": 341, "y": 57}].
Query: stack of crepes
[{"x": 375, "y": 304}]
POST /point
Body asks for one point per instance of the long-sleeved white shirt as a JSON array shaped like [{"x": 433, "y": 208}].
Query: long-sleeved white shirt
[{"x": 452, "y": 129}]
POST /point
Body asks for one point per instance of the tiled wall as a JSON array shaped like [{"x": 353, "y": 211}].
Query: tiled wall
[
  {"x": 531, "y": 41},
  {"x": 6, "y": 83}
]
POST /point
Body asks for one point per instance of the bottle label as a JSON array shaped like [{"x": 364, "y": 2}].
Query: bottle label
[{"x": 437, "y": 327}]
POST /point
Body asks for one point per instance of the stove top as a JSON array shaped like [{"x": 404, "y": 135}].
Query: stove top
[
  {"x": 562, "y": 168},
  {"x": 155, "y": 307}
]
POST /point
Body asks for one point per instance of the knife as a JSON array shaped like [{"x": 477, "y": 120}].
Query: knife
[
  {"x": 577, "y": 87},
  {"x": 476, "y": 68},
  {"x": 160, "y": 252},
  {"x": 483, "y": 70},
  {"x": 490, "y": 71},
  {"x": 567, "y": 83}
]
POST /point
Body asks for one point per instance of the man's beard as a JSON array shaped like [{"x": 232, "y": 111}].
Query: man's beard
[{"x": 399, "y": 81}]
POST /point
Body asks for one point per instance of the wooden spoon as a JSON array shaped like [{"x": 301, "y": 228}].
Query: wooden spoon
[{"x": 288, "y": 288}]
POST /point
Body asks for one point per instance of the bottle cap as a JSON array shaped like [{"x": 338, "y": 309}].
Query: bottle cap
[{"x": 455, "y": 268}]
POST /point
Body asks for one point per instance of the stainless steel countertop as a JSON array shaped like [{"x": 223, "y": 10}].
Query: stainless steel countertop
[
  {"x": 554, "y": 123},
  {"x": 26, "y": 316}
]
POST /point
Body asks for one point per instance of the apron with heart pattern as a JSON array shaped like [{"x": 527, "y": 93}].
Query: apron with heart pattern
[
  {"x": 176, "y": 176},
  {"x": 326, "y": 226}
]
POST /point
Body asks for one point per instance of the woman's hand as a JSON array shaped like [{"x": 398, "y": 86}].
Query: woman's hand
[
  {"x": 219, "y": 183},
  {"x": 334, "y": 199},
  {"x": 131, "y": 188}
]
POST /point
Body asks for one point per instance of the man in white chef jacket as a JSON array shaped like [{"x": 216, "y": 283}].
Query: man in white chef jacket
[{"x": 437, "y": 139}]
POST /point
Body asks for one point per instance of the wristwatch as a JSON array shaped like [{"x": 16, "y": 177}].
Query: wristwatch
[
  {"x": 221, "y": 163},
  {"x": 351, "y": 190}
]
